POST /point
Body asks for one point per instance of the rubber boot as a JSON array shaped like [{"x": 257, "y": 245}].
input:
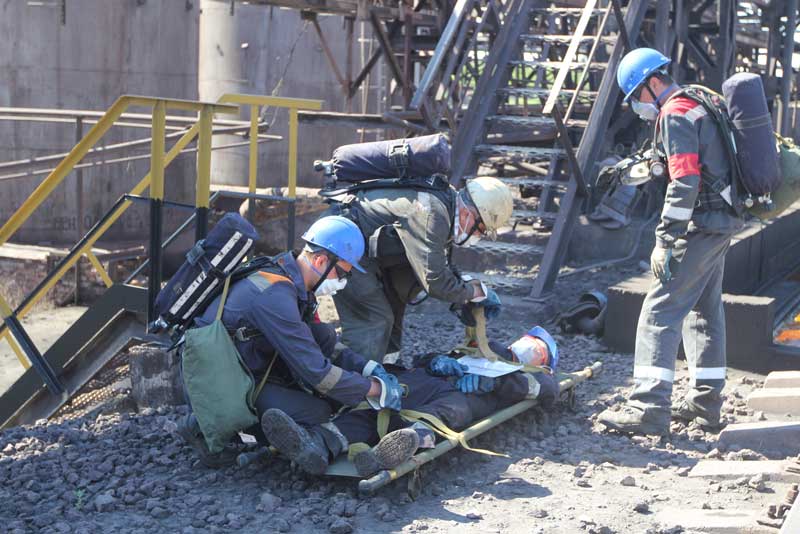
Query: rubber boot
[
  {"x": 395, "y": 448},
  {"x": 687, "y": 411},
  {"x": 189, "y": 430},
  {"x": 304, "y": 447},
  {"x": 633, "y": 420}
]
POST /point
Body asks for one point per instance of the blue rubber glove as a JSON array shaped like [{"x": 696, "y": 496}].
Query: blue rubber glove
[
  {"x": 444, "y": 365},
  {"x": 491, "y": 308},
  {"x": 491, "y": 305},
  {"x": 379, "y": 371},
  {"x": 391, "y": 394},
  {"x": 475, "y": 384}
]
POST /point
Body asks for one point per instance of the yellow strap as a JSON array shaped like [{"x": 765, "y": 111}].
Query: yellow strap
[
  {"x": 266, "y": 375},
  {"x": 438, "y": 426},
  {"x": 221, "y": 307},
  {"x": 383, "y": 422}
]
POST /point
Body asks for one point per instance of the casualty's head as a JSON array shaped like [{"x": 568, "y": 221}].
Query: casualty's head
[
  {"x": 334, "y": 246},
  {"x": 482, "y": 207},
  {"x": 643, "y": 78}
]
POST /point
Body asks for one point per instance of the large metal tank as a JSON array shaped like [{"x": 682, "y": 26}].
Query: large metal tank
[
  {"x": 98, "y": 52},
  {"x": 265, "y": 50}
]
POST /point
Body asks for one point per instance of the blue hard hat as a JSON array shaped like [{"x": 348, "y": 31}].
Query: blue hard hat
[
  {"x": 340, "y": 236},
  {"x": 636, "y": 66},
  {"x": 544, "y": 335}
]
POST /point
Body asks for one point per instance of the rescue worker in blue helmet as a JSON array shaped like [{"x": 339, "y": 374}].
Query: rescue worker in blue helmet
[
  {"x": 272, "y": 316},
  {"x": 684, "y": 302}
]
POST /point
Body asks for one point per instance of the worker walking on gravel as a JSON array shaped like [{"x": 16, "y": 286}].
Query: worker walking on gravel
[
  {"x": 410, "y": 233},
  {"x": 692, "y": 238}
]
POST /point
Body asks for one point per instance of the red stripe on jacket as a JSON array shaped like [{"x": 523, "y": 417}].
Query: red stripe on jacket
[
  {"x": 681, "y": 165},
  {"x": 679, "y": 105}
]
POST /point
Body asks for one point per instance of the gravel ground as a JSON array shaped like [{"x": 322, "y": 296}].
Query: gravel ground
[{"x": 113, "y": 471}]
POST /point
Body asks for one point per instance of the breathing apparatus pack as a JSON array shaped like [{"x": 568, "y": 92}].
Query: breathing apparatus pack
[
  {"x": 201, "y": 277},
  {"x": 417, "y": 162},
  {"x": 745, "y": 125}
]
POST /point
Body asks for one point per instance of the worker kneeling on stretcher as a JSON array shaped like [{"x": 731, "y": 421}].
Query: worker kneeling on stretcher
[
  {"x": 442, "y": 397},
  {"x": 303, "y": 370}
]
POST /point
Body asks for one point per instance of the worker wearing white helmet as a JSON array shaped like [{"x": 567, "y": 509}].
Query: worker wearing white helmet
[{"x": 409, "y": 234}]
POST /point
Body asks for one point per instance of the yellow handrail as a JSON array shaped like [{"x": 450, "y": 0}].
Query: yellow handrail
[
  {"x": 293, "y": 104},
  {"x": 228, "y": 103}
]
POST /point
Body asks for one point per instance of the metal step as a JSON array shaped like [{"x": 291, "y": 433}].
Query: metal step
[
  {"x": 530, "y": 181},
  {"x": 531, "y": 121},
  {"x": 525, "y": 214},
  {"x": 555, "y": 65},
  {"x": 504, "y": 283},
  {"x": 565, "y": 39},
  {"x": 518, "y": 152},
  {"x": 487, "y": 254},
  {"x": 540, "y": 92},
  {"x": 566, "y": 11}
]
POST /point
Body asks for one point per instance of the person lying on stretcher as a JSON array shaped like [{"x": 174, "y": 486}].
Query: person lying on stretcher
[{"x": 441, "y": 397}]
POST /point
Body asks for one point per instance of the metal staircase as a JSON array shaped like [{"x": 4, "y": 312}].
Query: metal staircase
[{"x": 535, "y": 116}]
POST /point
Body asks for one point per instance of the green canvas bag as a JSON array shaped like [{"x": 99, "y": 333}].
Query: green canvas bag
[
  {"x": 789, "y": 190},
  {"x": 219, "y": 385}
]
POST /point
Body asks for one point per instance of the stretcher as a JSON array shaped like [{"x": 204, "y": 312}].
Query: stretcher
[{"x": 368, "y": 486}]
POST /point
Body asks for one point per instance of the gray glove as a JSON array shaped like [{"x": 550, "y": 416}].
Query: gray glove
[{"x": 659, "y": 263}]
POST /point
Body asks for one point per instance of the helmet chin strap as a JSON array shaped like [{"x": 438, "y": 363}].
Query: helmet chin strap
[{"x": 657, "y": 99}]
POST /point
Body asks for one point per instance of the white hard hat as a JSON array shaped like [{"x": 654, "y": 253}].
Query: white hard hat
[{"x": 493, "y": 200}]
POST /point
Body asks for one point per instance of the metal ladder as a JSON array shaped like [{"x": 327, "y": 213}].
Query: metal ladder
[{"x": 537, "y": 114}]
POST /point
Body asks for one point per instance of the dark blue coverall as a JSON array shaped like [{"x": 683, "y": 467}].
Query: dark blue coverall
[
  {"x": 312, "y": 375},
  {"x": 437, "y": 396}
]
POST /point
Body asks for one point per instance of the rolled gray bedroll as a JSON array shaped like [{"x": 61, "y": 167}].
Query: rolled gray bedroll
[{"x": 370, "y": 485}]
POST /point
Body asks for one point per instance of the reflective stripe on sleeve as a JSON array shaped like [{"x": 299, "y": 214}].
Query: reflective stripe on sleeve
[
  {"x": 677, "y": 214},
  {"x": 330, "y": 380},
  {"x": 657, "y": 373}
]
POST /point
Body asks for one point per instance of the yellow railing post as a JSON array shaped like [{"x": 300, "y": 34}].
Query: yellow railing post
[
  {"x": 157, "y": 151},
  {"x": 292, "y": 152},
  {"x": 253, "y": 149},
  {"x": 95, "y": 261},
  {"x": 17, "y": 350}
]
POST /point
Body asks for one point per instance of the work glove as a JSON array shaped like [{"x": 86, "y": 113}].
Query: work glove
[
  {"x": 491, "y": 308},
  {"x": 475, "y": 384},
  {"x": 377, "y": 370},
  {"x": 391, "y": 394},
  {"x": 444, "y": 365},
  {"x": 659, "y": 263}
]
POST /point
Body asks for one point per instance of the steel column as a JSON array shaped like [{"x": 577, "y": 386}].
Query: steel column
[
  {"x": 786, "y": 64},
  {"x": 156, "y": 200},
  {"x": 203, "y": 172},
  {"x": 79, "y": 199}
]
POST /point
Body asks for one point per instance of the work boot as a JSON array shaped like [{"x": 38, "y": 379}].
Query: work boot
[
  {"x": 634, "y": 420},
  {"x": 687, "y": 412},
  {"x": 304, "y": 447},
  {"x": 189, "y": 430},
  {"x": 392, "y": 450}
]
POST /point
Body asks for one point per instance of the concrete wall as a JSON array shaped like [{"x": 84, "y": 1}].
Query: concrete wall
[
  {"x": 263, "y": 50},
  {"x": 105, "y": 49},
  {"x": 153, "y": 47}
]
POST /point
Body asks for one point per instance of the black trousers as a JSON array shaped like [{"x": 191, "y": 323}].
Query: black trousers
[{"x": 436, "y": 396}]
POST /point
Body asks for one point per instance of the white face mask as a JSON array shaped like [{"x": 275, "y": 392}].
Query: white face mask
[
  {"x": 460, "y": 234},
  {"x": 647, "y": 112},
  {"x": 330, "y": 286}
]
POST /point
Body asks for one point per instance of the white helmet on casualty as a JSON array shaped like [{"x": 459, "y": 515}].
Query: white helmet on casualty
[{"x": 493, "y": 201}]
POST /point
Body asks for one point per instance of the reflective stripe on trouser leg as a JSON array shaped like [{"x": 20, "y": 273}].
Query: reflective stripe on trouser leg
[
  {"x": 704, "y": 343},
  {"x": 697, "y": 258}
]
